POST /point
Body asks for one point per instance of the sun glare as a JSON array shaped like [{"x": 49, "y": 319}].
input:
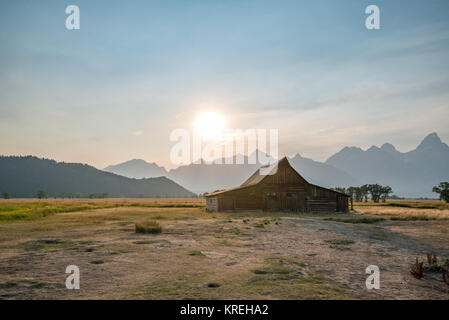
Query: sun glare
[{"x": 210, "y": 125}]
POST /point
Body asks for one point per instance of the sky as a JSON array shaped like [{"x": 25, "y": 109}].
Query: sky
[{"x": 135, "y": 71}]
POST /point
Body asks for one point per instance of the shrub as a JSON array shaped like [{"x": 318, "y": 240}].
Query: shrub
[
  {"x": 148, "y": 227},
  {"x": 196, "y": 253},
  {"x": 432, "y": 259},
  {"x": 446, "y": 272},
  {"x": 417, "y": 269},
  {"x": 433, "y": 265}
]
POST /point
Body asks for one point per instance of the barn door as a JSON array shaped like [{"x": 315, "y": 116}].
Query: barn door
[
  {"x": 272, "y": 201},
  {"x": 292, "y": 202}
]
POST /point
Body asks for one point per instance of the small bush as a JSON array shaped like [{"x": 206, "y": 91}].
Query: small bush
[
  {"x": 196, "y": 253},
  {"x": 148, "y": 227},
  {"x": 417, "y": 269},
  {"x": 433, "y": 265},
  {"x": 446, "y": 272},
  {"x": 432, "y": 259}
]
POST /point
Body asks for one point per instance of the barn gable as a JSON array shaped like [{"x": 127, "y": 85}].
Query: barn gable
[{"x": 280, "y": 172}]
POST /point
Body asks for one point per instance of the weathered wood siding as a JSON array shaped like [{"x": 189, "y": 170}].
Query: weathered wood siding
[{"x": 212, "y": 204}]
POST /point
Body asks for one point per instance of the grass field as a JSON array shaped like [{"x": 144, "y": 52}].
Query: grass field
[
  {"x": 406, "y": 210},
  {"x": 29, "y": 209},
  {"x": 200, "y": 255}
]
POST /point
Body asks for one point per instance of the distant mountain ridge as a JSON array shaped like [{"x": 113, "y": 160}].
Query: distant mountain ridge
[
  {"x": 410, "y": 174},
  {"x": 24, "y": 176},
  {"x": 206, "y": 177},
  {"x": 137, "y": 168},
  {"x": 322, "y": 174}
]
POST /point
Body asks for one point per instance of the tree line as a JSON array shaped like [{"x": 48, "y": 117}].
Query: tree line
[
  {"x": 382, "y": 193},
  {"x": 376, "y": 191},
  {"x": 43, "y": 194}
]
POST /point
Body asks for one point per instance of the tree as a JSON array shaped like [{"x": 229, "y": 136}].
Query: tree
[
  {"x": 339, "y": 189},
  {"x": 443, "y": 190},
  {"x": 352, "y": 191},
  {"x": 364, "y": 191},
  {"x": 42, "y": 194},
  {"x": 386, "y": 191},
  {"x": 358, "y": 194},
  {"x": 6, "y": 195},
  {"x": 376, "y": 191}
]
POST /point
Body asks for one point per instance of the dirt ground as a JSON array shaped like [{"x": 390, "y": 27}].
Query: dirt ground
[{"x": 202, "y": 255}]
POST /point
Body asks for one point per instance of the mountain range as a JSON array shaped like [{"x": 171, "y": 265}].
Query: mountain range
[
  {"x": 23, "y": 177},
  {"x": 137, "y": 169},
  {"x": 410, "y": 174}
]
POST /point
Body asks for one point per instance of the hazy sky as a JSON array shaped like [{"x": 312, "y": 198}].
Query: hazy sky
[{"x": 136, "y": 70}]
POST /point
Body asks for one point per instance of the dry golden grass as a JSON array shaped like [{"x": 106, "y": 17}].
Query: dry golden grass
[
  {"x": 395, "y": 213},
  {"x": 416, "y": 204}
]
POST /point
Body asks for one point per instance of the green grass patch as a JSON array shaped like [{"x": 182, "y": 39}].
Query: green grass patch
[
  {"x": 435, "y": 267},
  {"x": 48, "y": 244},
  {"x": 340, "y": 244},
  {"x": 341, "y": 241},
  {"x": 23, "y": 211},
  {"x": 412, "y": 218},
  {"x": 279, "y": 268},
  {"x": 356, "y": 220},
  {"x": 167, "y": 205},
  {"x": 196, "y": 253},
  {"x": 411, "y": 204}
]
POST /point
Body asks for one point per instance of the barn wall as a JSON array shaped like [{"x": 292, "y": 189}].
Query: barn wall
[
  {"x": 212, "y": 204},
  {"x": 286, "y": 190},
  {"x": 321, "y": 200},
  {"x": 243, "y": 199}
]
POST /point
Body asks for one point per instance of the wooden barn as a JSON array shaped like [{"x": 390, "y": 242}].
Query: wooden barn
[{"x": 284, "y": 189}]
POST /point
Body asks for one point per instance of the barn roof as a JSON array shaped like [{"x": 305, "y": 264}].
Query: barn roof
[{"x": 258, "y": 177}]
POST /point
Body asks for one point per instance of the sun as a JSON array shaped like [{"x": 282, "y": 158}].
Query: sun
[{"x": 210, "y": 125}]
